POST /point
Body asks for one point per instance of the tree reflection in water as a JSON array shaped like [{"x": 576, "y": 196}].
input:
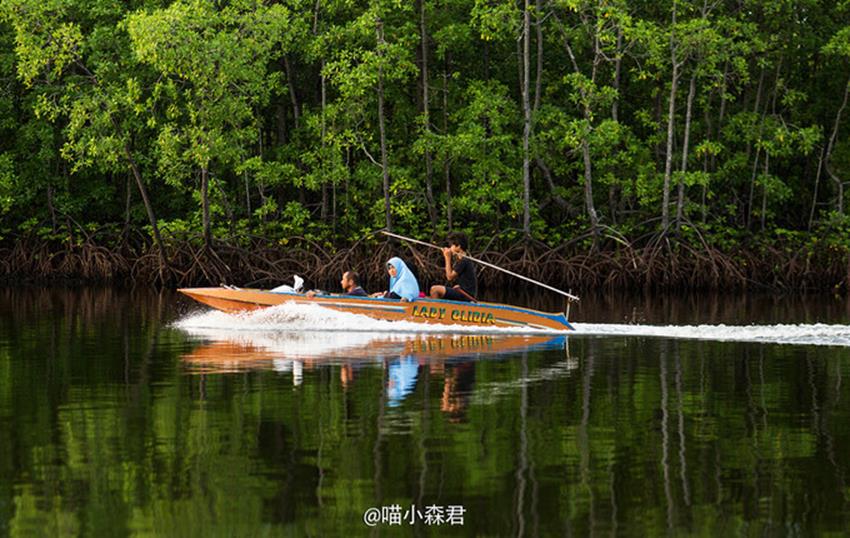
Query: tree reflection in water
[{"x": 114, "y": 423}]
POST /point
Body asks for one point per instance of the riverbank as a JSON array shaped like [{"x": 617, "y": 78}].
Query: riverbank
[{"x": 663, "y": 263}]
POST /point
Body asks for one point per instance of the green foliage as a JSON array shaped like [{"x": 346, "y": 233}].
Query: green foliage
[
  {"x": 45, "y": 44},
  {"x": 213, "y": 68},
  {"x": 277, "y": 103},
  {"x": 484, "y": 148},
  {"x": 839, "y": 44},
  {"x": 495, "y": 20}
]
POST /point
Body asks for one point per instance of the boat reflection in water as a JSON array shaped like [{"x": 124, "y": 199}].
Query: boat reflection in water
[{"x": 401, "y": 356}]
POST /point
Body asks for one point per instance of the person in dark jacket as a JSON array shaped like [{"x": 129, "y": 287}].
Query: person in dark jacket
[
  {"x": 460, "y": 271},
  {"x": 351, "y": 284}
]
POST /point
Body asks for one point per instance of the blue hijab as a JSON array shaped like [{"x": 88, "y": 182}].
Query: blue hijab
[{"x": 404, "y": 283}]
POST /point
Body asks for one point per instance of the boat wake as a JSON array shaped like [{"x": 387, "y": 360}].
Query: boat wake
[
  {"x": 309, "y": 318},
  {"x": 818, "y": 334}
]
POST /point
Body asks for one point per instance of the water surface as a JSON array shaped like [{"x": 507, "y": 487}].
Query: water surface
[{"x": 135, "y": 413}]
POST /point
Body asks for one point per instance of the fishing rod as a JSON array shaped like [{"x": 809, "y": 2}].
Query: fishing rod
[{"x": 569, "y": 296}]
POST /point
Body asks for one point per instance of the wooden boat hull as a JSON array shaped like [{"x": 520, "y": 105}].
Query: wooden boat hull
[{"x": 425, "y": 310}]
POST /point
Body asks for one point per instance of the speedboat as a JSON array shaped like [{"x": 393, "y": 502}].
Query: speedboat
[{"x": 423, "y": 310}]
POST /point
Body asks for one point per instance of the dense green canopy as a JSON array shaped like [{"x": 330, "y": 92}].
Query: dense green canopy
[{"x": 546, "y": 118}]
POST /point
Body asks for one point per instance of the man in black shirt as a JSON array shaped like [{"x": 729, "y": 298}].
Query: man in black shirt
[
  {"x": 460, "y": 272},
  {"x": 351, "y": 284}
]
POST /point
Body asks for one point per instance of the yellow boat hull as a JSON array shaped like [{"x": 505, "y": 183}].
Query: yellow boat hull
[{"x": 425, "y": 310}]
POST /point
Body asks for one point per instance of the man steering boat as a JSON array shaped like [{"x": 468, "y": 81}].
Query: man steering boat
[{"x": 460, "y": 272}]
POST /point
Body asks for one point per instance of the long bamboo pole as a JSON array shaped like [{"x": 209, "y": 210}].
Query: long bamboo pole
[{"x": 569, "y": 296}]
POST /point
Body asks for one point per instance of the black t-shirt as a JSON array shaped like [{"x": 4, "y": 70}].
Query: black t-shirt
[
  {"x": 357, "y": 291},
  {"x": 466, "y": 278}
]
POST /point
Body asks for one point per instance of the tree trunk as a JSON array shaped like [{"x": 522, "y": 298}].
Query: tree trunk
[
  {"x": 585, "y": 144},
  {"x": 612, "y": 202},
  {"x": 680, "y": 202},
  {"x": 247, "y": 193},
  {"x": 205, "y": 207},
  {"x": 547, "y": 175},
  {"x": 429, "y": 165},
  {"x": 348, "y": 178},
  {"x": 446, "y": 166},
  {"x": 379, "y": 34},
  {"x": 751, "y": 196},
  {"x": 815, "y": 193},
  {"x": 333, "y": 209},
  {"x": 282, "y": 129},
  {"x": 668, "y": 159},
  {"x": 749, "y": 148},
  {"x": 293, "y": 96},
  {"x": 128, "y": 198},
  {"x": 616, "y": 84},
  {"x": 588, "y": 185},
  {"x": 776, "y": 81},
  {"x": 448, "y": 174},
  {"x": 228, "y": 210},
  {"x": 757, "y": 107},
  {"x": 764, "y": 189},
  {"x": 704, "y": 209},
  {"x": 722, "y": 114},
  {"x": 767, "y": 153},
  {"x": 706, "y": 159},
  {"x": 324, "y": 97},
  {"x": 526, "y": 130},
  {"x": 671, "y": 123},
  {"x": 831, "y": 145},
  {"x": 137, "y": 174},
  {"x": 52, "y": 208},
  {"x": 755, "y": 167},
  {"x": 538, "y": 83},
  {"x": 57, "y": 149}
]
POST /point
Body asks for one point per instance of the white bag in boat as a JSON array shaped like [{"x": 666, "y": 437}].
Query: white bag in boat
[{"x": 286, "y": 288}]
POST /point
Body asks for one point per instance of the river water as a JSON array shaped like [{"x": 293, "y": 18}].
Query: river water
[{"x": 133, "y": 413}]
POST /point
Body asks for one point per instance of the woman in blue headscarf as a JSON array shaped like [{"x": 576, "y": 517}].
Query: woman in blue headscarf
[{"x": 403, "y": 284}]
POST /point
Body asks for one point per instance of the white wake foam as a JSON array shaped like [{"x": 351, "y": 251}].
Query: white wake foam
[
  {"x": 818, "y": 334},
  {"x": 311, "y": 318}
]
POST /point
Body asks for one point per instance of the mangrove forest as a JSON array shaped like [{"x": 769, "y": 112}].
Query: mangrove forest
[{"x": 590, "y": 143}]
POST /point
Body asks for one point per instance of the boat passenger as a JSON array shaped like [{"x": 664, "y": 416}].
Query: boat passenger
[
  {"x": 403, "y": 284},
  {"x": 460, "y": 272},
  {"x": 351, "y": 284}
]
